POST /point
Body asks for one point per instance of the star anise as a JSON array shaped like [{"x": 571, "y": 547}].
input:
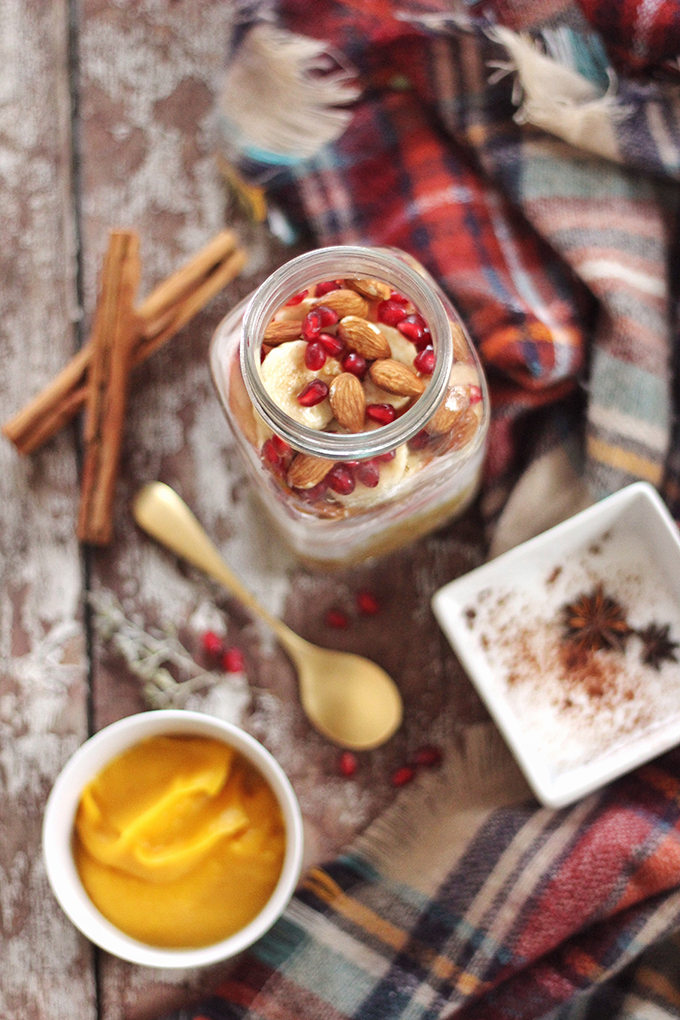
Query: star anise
[
  {"x": 596, "y": 621},
  {"x": 657, "y": 645}
]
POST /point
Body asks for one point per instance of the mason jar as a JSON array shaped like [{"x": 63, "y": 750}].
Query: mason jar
[{"x": 357, "y": 402}]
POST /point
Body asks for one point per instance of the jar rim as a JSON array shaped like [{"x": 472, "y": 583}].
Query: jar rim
[{"x": 340, "y": 261}]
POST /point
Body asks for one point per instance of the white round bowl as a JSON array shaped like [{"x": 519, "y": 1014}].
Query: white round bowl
[{"x": 61, "y": 809}]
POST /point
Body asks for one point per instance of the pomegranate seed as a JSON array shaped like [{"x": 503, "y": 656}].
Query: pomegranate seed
[
  {"x": 336, "y": 618},
  {"x": 390, "y": 312},
  {"x": 385, "y": 458},
  {"x": 413, "y": 327},
  {"x": 281, "y": 446},
  {"x": 298, "y": 298},
  {"x": 269, "y": 452},
  {"x": 347, "y": 764},
  {"x": 313, "y": 393},
  {"x": 399, "y": 298},
  {"x": 475, "y": 394},
  {"x": 212, "y": 643},
  {"x": 424, "y": 361},
  {"x": 311, "y": 325},
  {"x": 367, "y": 603},
  {"x": 354, "y": 363},
  {"x": 264, "y": 351},
  {"x": 428, "y": 757},
  {"x": 340, "y": 479},
  {"x": 368, "y": 474},
  {"x": 419, "y": 441},
  {"x": 315, "y": 494},
  {"x": 383, "y": 414},
  {"x": 328, "y": 285},
  {"x": 233, "y": 661},
  {"x": 327, "y": 316},
  {"x": 332, "y": 345},
  {"x": 403, "y": 775},
  {"x": 315, "y": 356}
]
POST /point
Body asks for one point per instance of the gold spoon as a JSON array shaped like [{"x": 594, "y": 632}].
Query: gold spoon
[{"x": 349, "y": 699}]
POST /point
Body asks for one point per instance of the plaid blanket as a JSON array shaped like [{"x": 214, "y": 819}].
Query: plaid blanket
[{"x": 528, "y": 154}]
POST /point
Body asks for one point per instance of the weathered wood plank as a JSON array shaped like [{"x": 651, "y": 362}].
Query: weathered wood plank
[{"x": 45, "y": 966}]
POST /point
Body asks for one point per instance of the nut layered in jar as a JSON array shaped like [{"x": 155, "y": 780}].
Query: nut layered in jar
[{"x": 350, "y": 356}]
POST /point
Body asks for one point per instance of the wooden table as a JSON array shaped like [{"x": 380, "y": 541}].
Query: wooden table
[{"x": 106, "y": 112}]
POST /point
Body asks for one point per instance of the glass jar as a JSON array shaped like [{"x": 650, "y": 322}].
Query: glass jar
[{"x": 351, "y": 468}]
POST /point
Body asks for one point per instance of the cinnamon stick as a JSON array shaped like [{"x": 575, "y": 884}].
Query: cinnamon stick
[
  {"x": 117, "y": 328},
  {"x": 164, "y": 312}
]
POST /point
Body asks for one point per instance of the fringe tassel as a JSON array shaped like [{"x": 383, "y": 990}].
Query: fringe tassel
[
  {"x": 557, "y": 99},
  {"x": 282, "y": 96},
  {"x": 431, "y": 821}
]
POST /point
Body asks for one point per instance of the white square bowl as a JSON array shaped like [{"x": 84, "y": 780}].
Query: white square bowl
[{"x": 574, "y": 724}]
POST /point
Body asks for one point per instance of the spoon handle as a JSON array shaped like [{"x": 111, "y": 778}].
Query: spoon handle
[{"x": 165, "y": 516}]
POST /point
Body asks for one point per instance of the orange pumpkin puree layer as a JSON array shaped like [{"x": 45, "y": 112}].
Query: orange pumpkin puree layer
[{"x": 179, "y": 841}]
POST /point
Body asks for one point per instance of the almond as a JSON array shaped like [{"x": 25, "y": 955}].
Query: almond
[
  {"x": 279, "y": 331},
  {"x": 464, "y": 428},
  {"x": 344, "y": 302},
  {"x": 374, "y": 290},
  {"x": 396, "y": 377},
  {"x": 461, "y": 351},
  {"x": 363, "y": 337},
  {"x": 348, "y": 401},
  {"x": 443, "y": 420},
  {"x": 305, "y": 472}
]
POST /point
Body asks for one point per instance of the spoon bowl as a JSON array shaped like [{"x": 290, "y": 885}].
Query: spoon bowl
[{"x": 347, "y": 698}]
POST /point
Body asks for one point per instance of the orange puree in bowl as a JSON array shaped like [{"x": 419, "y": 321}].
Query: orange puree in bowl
[{"x": 179, "y": 841}]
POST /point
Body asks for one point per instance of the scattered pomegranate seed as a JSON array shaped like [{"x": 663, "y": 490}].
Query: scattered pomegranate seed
[
  {"x": 391, "y": 312},
  {"x": 367, "y": 603},
  {"x": 413, "y": 327},
  {"x": 328, "y": 285},
  {"x": 332, "y": 345},
  {"x": 383, "y": 414},
  {"x": 315, "y": 355},
  {"x": 368, "y": 474},
  {"x": 298, "y": 298},
  {"x": 419, "y": 441},
  {"x": 385, "y": 458},
  {"x": 403, "y": 775},
  {"x": 397, "y": 296},
  {"x": 281, "y": 446},
  {"x": 212, "y": 643},
  {"x": 475, "y": 394},
  {"x": 336, "y": 618},
  {"x": 428, "y": 757},
  {"x": 233, "y": 660},
  {"x": 313, "y": 393},
  {"x": 354, "y": 363},
  {"x": 424, "y": 360},
  {"x": 340, "y": 479},
  {"x": 347, "y": 764}
]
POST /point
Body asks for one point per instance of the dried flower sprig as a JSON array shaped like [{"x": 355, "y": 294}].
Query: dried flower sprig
[{"x": 148, "y": 655}]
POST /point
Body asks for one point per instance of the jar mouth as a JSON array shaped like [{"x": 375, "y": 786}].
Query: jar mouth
[{"x": 387, "y": 265}]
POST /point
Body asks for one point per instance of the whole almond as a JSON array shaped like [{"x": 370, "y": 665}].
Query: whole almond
[
  {"x": 461, "y": 351},
  {"x": 344, "y": 302},
  {"x": 363, "y": 337},
  {"x": 445, "y": 417},
  {"x": 395, "y": 377},
  {"x": 279, "y": 331},
  {"x": 464, "y": 428},
  {"x": 373, "y": 290},
  {"x": 305, "y": 472},
  {"x": 348, "y": 401}
]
